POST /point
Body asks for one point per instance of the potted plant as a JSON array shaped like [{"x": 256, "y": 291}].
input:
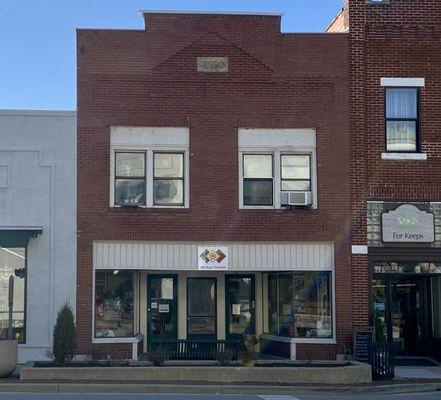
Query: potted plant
[
  {"x": 8, "y": 344},
  {"x": 249, "y": 357}
]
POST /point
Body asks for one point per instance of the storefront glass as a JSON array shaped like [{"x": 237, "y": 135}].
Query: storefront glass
[
  {"x": 201, "y": 306},
  {"x": 299, "y": 304},
  {"x": 114, "y": 304},
  {"x": 13, "y": 262},
  {"x": 436, "y": 301}
]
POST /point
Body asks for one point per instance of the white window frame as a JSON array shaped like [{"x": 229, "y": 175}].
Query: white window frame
[
  {"x": 277, "y": 179},
  {"x": 149, "y": 152}
]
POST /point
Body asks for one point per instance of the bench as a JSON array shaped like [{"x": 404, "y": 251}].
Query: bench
[{"x": 196, "y": 349}]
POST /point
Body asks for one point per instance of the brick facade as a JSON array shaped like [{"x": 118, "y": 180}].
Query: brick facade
[
  {"x": 276, "y": 80},
  {"x": 400, "y": 39}
]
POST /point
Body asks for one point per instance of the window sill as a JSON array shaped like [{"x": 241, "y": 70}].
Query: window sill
[
  {"x": 117, "y": 207},
  {"x": 287, "y": 209},
  {"x": 286, "y": 339},
  {"x": 404, "y": 156},
  {"x": 134, "y": 339}
]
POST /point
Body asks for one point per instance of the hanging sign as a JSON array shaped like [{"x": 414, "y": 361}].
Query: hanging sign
[
  {"x": 212, "y": 258},
  {"x": 408, "y": 224}
]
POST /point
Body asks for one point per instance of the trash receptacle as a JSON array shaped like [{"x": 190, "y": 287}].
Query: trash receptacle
[{"x": 382, "y": 360}]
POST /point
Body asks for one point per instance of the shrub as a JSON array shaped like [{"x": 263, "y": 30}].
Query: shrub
[
  {"x": 225, "y": 357},
  {"x": 64, "y": 339},
  {"x": 156, "y": 357}
]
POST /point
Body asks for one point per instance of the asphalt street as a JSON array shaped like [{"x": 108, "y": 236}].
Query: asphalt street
[{"x": 131, "y": 396}]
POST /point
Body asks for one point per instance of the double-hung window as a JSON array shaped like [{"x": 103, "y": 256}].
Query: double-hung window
[
  {"x": 149, "y": 167},
  {"x": 402, "y": 119},
  {"x": 277, "y": 168}
]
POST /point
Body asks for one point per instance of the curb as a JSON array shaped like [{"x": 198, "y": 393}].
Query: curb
[{"x": 214, "y": 389}]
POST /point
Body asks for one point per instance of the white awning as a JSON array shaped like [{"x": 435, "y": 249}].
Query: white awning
[{"x": 183, "y": 256}]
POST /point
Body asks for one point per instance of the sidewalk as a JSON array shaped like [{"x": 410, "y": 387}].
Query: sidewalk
[{"x": 388, "y": 387}]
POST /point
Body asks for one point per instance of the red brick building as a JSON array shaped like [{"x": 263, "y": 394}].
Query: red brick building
[
  {"x": 234, "y": 179},
  {"x": 395, "y": 74},
  {"x": 188, "y": 133}
]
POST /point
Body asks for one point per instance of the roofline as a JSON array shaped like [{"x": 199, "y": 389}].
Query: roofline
[
  {"x": 268, "y": 14},
  {"x": 39, "y": 113}
]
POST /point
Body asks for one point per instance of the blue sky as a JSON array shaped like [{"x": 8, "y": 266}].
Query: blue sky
[{"x": 37, "y": 38}]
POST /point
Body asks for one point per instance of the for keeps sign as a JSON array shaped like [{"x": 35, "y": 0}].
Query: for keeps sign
[{"x": 408, "y": 224}]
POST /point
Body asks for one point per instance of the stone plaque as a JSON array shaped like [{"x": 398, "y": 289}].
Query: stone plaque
[
  {"x": 212, "y": 64},
  {"x": 408, "y": 224}
]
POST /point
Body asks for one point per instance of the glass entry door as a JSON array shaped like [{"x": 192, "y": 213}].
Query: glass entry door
[
  {"x": 402, "y": 312},
  {"x": 240, "y": 306},
  {"x": 162, "y": 309},
  {"x": 201, "y": 308}
]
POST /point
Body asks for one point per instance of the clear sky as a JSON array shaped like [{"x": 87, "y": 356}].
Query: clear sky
[{"x": 37, "y": 38}]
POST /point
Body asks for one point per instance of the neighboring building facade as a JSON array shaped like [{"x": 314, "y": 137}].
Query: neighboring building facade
[
  {"x": 190, "y": 135},
  {"x": 395, "y": 69},
  {"x": 37, "y": 223}
]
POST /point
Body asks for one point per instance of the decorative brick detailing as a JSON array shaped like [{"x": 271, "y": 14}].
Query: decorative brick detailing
[{"x": 276, "y": 80}]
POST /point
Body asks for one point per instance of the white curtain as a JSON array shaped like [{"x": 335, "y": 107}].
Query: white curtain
[{"x": 401, "y": 103}]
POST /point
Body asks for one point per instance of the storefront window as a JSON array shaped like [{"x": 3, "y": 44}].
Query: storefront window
[
  {"x": 407, "y": 268},
  {"x": 114, "y": 304},
  {"x": 300, "y": 304},
  {"x": 13, "y": 262}
]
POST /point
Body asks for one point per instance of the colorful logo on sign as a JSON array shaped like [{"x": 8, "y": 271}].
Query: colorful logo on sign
[{"x": 213, "y": 256}]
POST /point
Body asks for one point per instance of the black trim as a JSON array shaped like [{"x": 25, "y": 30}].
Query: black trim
[{"x": 416, "y": 120}]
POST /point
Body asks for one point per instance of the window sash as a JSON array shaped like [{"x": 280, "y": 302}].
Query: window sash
[
  {"x": 262, "y": 176},
  {"x": 287, "y": 180},
  {"x": 129, "y": 178},
  {"x": 169, "y": 178},
  {"x": 246, "y": 203}
]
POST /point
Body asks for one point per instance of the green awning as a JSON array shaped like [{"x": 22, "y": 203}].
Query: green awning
[{"x": 18, "y": 237}]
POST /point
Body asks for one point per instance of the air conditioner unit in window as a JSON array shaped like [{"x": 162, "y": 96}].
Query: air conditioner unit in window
[{"x": 296, "y": 198}]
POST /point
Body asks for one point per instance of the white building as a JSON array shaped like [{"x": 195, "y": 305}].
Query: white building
[{"x": 37, "y": 222}]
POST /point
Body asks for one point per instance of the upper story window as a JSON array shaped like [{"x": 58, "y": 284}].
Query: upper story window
[
  {"x": 277, "y": 168},
  {"x": 402, "y": 119},
  {"x": 149, "y": 167}
]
